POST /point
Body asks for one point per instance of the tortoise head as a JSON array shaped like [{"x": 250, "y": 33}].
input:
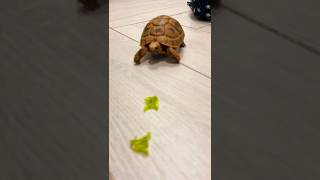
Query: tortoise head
[{"x": 155, "y": 47}]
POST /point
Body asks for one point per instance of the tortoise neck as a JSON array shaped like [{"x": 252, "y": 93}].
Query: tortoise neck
[{"x": 154, "y": 47}]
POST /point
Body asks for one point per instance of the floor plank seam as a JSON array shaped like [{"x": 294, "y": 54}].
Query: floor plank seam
[
  {"x": 145, "y": 21},
  {"x": 194, "y": 28},
  {"x": 180, "y": 63},
  {"x": 196, "y": 71},
  {"x": 199, "y": 28},
  {"x": 124, "y": 35},
  {"x": 141, "y": 13},
  {"x": 273, "y": 30}
]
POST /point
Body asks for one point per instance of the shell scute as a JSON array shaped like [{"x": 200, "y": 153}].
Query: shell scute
[{"x": 163, "y": 29}]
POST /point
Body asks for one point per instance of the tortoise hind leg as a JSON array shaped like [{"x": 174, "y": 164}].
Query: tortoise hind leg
[
  {"x": 183, "y": 45},
  {"x": 138, "y": 56},
  {"x": 173, "y": 53}
]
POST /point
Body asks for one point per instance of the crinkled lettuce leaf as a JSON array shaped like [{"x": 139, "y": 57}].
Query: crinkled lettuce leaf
[
  {"x": 151, "y": 102},
  {"x": 141, "y": 145}
]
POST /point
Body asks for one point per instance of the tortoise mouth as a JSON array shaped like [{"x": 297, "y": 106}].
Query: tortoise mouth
[{"x": 156, "y": 47}]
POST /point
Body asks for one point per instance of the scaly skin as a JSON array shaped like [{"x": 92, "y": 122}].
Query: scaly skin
[
  {"x": 140, "y": 54},
  {"x": 173, "y": 53},
  {"x": 157, "y": 48}
]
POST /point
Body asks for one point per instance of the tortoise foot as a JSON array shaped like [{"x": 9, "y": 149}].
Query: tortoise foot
[
  {"x": 138, "y": 56},
  {"x": 173, "y": 53}
]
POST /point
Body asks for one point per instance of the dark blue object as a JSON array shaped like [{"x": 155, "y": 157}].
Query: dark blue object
[{"x": 201, "y": 9}]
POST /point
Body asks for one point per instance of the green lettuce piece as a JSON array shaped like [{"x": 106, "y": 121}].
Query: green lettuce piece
[
  {"x": 151, "y": 102},
  {"x": 141, "y": 145}
]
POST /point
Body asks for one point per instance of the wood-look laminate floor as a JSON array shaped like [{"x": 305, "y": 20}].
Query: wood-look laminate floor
[{"x": 180, "y": 147}]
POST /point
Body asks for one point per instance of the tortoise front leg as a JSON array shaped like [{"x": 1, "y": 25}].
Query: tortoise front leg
[
  {"x": 140, "y": 54},
  {"x": 173, "y": 53}
]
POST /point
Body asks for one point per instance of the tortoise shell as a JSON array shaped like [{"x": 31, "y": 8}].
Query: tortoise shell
[{"x": 163, "y": 29}]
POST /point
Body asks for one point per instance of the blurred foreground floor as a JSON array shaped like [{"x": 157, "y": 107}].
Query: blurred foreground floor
[
  {"x": 266, "y": 90},
  {"x": 52, "y": 92}
]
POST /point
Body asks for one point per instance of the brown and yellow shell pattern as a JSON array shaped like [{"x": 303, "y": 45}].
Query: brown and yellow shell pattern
[{"x": 164, "y": 29}]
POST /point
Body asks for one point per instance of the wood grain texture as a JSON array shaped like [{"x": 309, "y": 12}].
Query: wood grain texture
[
  {"x": 189, "y": 20},
  {"x": 180, "y": 146},
  {"x": 266, "y": 115},
  {"x": 123, "y": 12},
  {"x": 206, "y": 29}
]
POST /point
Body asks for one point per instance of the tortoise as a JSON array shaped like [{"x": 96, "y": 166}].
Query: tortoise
[{"x": 162, "y": 35}]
